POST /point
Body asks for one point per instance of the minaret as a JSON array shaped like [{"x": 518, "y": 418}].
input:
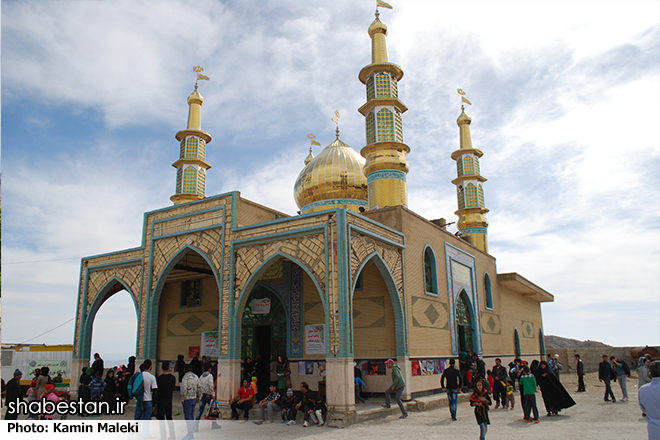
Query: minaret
[
  {"x": 191, "y": 166},
  {"x": 385, "y": 153},
  {"x": 471, "y": 212}
]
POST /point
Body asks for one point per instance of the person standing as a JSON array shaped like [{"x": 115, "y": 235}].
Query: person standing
[
  {"x": 191, "y": 393},
  {"x": 604, "y": 373},
  {"x": 150, "y": 392},
  {"x": 580, "y": 374},
  {"x": 622, "y": 370},
  {"x": 196, "y": 365},
  {"x": 480, "y": 399},
  {"x": 398, "y": 384},
  {"x": 207, "y": 384},
  {"x": 97, "y": 365},
  {"x": 166, "y": 383},
  {"x": 649, "y": 401},
  {"x": 644, "y": 373},
  {"x": 13, "y": 396},
  {"x": 528, "y": 395},
  {"x": 451, "y": 381},
  {"x": 499, "y": 383}
]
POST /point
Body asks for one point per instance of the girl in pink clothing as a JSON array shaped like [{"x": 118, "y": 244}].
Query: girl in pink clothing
[{"x": 50, "y": 394}]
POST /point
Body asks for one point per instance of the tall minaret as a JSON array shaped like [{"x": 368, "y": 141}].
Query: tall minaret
[
  {"x": 472, "y": 211},
  {"x": 191, "y": 166},
  {"x": 385, "y": 153}
]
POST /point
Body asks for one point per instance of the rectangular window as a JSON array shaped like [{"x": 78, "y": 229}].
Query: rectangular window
[{"x": 191, "y": 293}]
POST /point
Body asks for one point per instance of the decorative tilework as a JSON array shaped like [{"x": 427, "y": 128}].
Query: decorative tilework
[
  {"x": 528, "y": 329},
  {"x": 428, "y": 313},
  {"x": 386, "y": 174},
  {"x": 295, "y": 327},
  {"x": 491, "y": 323}
]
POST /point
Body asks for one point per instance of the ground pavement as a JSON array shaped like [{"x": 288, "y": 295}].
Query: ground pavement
[{"x": 591, "y": 418}]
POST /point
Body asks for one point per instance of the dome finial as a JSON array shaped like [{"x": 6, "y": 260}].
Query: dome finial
[
  {"x": 336, "y": 121},
  {"x": 310, "y": 156}
]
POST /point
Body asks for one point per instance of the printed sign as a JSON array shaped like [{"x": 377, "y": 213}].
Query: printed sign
[
  {"x": 193, "y": 351},
  {"x": 55, "y": 366},
  {"x": 210, "y": 344},
  {"x": 315, "y": 339},
  {"x": 261, "y": 306}
]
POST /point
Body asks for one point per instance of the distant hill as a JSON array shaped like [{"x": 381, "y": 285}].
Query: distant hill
[{"x": 559, "y": 342}]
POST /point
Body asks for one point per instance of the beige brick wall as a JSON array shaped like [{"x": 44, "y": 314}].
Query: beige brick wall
[
  {"x": 173, "y": 336},
  {"x": 521, "y": 313},
  {"x": 373, "y": 317}
]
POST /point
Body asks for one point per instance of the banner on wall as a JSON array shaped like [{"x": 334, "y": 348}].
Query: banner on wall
[
  {"x": 55, "y": 366},
  {"x": 315, "y": 339},
  {"x": 209, "y": 344},
  {"x": 193, "y": 351},
  {"x": 260, "y": 306}
]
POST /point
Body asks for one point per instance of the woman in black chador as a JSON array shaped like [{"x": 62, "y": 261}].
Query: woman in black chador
[{"x": 555, "y": 396}]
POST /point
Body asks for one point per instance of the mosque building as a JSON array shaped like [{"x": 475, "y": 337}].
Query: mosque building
[{"x": 356, "y": 276}]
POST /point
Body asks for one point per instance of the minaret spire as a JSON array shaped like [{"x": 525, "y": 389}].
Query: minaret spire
[
  {"x": 385, "y": 153},
  {"x": 191, "y": 166},
  {"x": 472, "y": 211}
]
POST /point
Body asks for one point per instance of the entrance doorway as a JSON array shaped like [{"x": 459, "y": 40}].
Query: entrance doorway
[
  {"x": 263, "y": 333},
  {"x": 464, "y": 323}
]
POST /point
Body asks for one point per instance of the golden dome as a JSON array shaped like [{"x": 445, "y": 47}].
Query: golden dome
[
  {"x": 309, "y": 157},
  {"x": 333, "y": 179},
  {"x": 377, "y": 27},
  {"x": 195, "y": 97}
]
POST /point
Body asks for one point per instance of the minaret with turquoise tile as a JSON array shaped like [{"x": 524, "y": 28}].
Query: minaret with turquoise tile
[
  {"x": 472, "y": 211},
  {"x": 191, "y": 166},
  {"x": 386, "y": 166}
]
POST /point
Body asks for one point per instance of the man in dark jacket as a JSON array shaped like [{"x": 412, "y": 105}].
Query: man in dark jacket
[
  {"x": 97, "y": 365},
  {"x": 499, "y": 386},
  {"x": 14, "y": 396},
  {"x": 453, "y": 383},
  {"x": 580, "y": 374},
  {"x": 310, "y": 404},
  {"x": 604, "y": 373}
]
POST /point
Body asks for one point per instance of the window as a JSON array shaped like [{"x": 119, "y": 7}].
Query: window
[
  {"x": 430, "y": 279},
  {"x": 201, "y": 182},
  {"x": 468, "y": 164},
  {"x": 191, "y": 146},
  {"x": 482, "y": 204},
  {"x": 461, "y": 197},
  {"x": 179, "y": 174},
  {"x": 489, "y": 292},
  {"x": 398, "y": 125},
  {"x": 191, "y": 293},
  {"x": 370, "y": 88},
  {"x": 189, "y": 181},
  {"x": 516, "y": 342},
  {"x": 459, "y": 166}
]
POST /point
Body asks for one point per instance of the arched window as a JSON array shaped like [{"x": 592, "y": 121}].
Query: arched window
[
  {"x": 191, "y": 147},
  {"x": 430, "y": 278},
  {"x": 516, "y": 342},
  {"x": 385, "y": 122},
  {"x": 461, "y": 197},
  {"x": 179, "y": 177},
  {"x": 459, "y": 166},
  {"x": 398, "y": 125},
  {"x": 464, "y": 323},
  {"x": 481, "y": 197},
  {"x": 201, "y": 182},
  {"x": 476, "y": 165},
  {"x": 489, "y": 292},
  {"x": 541, "y": 343}
]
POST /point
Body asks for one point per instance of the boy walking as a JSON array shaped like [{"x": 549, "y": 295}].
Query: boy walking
[
  {"x": 398, "y": 384},
  {"x": 528, "y": 392}
]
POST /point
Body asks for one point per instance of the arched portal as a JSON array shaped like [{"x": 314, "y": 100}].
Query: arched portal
[
  {"x": 187, "y": 303},
  {"x": 464, "y": 323},
  {"x": 114, "y": 330}
]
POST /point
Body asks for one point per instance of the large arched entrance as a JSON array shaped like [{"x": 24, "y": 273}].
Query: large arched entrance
[
  {"x": 464, "y": 323},
  {"x": 188, "y": 307},
  {"x": 114, "y": 329}
]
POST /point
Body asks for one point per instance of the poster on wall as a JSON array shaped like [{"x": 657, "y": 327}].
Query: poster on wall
[
  {"x": 301, "y": 368},
  {"x": 315, "y": 339},
  {"x": 210, "y": 344},
  {"x": 56, "y": 367},
  {"x": 309, "y": 368},
  {"x": 193, "y": 351},
  {"x": 321, "y": 369},
  {"x": 260, "y": 306},
  {"x": 415, "y": 368}
]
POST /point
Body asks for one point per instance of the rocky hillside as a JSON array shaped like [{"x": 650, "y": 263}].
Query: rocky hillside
[{"x": 559, "y": 342}]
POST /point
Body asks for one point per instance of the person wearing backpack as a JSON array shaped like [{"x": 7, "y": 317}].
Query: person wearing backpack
[{"x": 622, "y": 372}]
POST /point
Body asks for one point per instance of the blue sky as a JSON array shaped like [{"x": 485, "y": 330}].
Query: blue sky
[{"x": 565, "y": 108}]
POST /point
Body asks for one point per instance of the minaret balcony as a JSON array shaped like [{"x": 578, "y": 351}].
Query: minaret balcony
[
  {"x": 193, "y": 132},
  {"x": 394, "y": 70},
  {"x": 466, "y": 177},
  {"x": 191, "y": 161},
  {"x": 456, "y": 154},
  {"x": 382, "y": 102}
]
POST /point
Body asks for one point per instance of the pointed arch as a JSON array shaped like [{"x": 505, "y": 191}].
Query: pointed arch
[
  {"x": 248, "y": 286},
  {"x": 399, "y": 317},
  {"x": 112, "y": 286},
  {"x": 516, "y": 343},
  {"x": 153, "y": 300},
  {"x": 430, "y": 271},
  {"x": 466, "y": 324}
]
